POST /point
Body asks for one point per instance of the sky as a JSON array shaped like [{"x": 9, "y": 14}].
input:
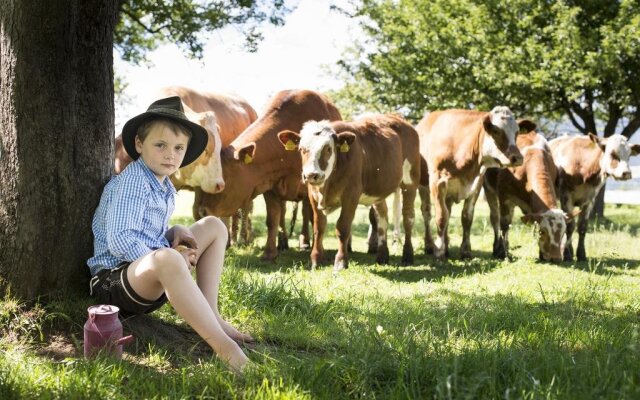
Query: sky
[{"x": 294, "y": 56}]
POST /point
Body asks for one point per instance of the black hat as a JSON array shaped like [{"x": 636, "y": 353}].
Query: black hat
[{"x": 170, "y": 108}]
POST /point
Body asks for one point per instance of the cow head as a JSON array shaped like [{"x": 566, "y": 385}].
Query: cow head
[
  {"x": 499, "y": 148},
  {"x": 207, "y": 170},
  {"x": 552, "y": 227},
  {"x": 616, "y": 152},
  {"x": 318, "y": 144}
]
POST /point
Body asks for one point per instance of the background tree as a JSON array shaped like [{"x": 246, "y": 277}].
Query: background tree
[
  {"x": 546, "y": 59},
  {"x": 549, "y": 60},
  {"x": 57, "y": 118}
]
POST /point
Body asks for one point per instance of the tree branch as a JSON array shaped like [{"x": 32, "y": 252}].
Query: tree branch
[
  {"x": 632, "y": 126},
  {"x": 145, "y": 27},
  {"x": 567, "y": 108}
]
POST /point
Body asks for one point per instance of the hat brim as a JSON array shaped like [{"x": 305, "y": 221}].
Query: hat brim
[{"x": 197, "y": 143}]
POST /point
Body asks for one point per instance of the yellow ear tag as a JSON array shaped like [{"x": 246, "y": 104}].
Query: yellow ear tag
[
  {"x": 247, "y": 159},
  {"x": 290, "y": 146},
  {"x": 344, "y": 147}
]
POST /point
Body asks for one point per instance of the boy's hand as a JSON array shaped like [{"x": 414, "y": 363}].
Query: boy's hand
[
  {"x": 183, "y": 236},
  {"x": 189, "y": 255}
]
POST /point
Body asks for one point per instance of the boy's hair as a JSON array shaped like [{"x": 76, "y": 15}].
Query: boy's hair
[{"x": 145, "y": 128}]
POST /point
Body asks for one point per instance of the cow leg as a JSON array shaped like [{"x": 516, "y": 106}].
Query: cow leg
[
  {"x": 343, "y": 232},
  {"x": 246, "y": 233},
  {"x": 319, "y": 226},
  {"x": 234, "y": 228},
  {"x": 583, "y": 223},
  {"x": 283, "y": 239},
  {"x": 304, "y": 238},
  {"x": 438, "y": 190},
  {"x": 381, "y": 212},
  {"x": 494, "y": 217},
  {"x": 274, "y": 208},
  {"x": 397, "y": 213},
  {"x": 425, "y": 208},
  {"x": 408, "y": 217},
  {"x": 566, "y": 203},
  {"x": 198, "y": 211},
  {"x": 506, "y": 216},
  {"x": 467, "y": 220},
  {"x": 227, "y": 223},
  {"x": 449, "y": 204},
  {"x": 372, "y": 236}
]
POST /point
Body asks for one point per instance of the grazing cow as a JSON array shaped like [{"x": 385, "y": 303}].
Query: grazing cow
[
  {"x": 224, "y": 117},
  {"x": 458, "y": 146},
  {"x": 346, "y": 163},
  {"x": 584, "y": 163},
  {"x": 530, "y": 187},
  {"x": 260, "y": 165}
]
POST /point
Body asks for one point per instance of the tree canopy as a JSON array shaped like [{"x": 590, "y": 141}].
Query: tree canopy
[
  {"x": 143, "y": 25},
  {"x": 542, "y": 58}
]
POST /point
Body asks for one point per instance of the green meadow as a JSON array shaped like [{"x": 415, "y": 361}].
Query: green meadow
[{"x": 476, "y": 329}]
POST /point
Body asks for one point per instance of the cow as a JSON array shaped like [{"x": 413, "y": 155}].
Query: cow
[
  {"x": 458, "y": 146},
  {"x": 260, "y": 165},
  {"x": 531, "y": 187},
  {"x": 363, "y": 161},
  {"x": 584, "y": 163},
  {"x": 225, "y": 117}
]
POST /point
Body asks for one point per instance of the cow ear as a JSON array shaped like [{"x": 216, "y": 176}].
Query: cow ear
[
  {"x": 488, "y": 126},
  {"x": 344, "y": 141},
  {"x": 597, "y": 140},
  {"x": 245, "y": 153},
  {"x": 568, "y": 217},
  {"x": 526, "y": 126},
  {"x": 635, "y": 149},
  {"x": 289, "y": 140},
  {"x": 531, "y": 218}
]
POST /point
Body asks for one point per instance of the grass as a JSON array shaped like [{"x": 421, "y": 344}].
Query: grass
[{"x": 481, "y": 328}]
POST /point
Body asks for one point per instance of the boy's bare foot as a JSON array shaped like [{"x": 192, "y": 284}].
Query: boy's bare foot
[
  {"x": 237, "y": 361},
  {"x": 235, "y": 334}
]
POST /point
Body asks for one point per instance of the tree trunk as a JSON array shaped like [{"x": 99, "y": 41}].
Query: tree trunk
[{"x": 56, "y": 125}]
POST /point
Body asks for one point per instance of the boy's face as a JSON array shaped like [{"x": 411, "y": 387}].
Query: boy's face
[{"x": 163, "y": 150}]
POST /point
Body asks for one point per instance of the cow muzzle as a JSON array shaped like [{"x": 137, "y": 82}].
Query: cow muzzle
[
  {"x": 514, "y": 156},
  {"x": 313, "y": 178}
]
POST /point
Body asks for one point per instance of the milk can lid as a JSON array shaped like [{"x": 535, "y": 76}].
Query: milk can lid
[{"x": 103, "y": 309}]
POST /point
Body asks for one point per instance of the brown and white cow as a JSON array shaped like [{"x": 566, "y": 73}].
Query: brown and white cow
[
  {"x": 364, "y": 161},
  {"x": 458, "y": 146},
  {"x": 256, "y": 163},
  {"x": 530, "y": 187},
  {"x": 225, "y": 117},
  {"x": 584, "y": 163}
]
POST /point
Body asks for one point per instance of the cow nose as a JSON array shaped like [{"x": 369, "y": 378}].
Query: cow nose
[
  {"x": 313, "y": 176},
  {"x": 626, "y": 175},
  {"x": 219, "y": 187}
]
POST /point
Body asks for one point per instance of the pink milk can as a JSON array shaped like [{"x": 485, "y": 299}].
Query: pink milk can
[{"x": 103, "y": 331}]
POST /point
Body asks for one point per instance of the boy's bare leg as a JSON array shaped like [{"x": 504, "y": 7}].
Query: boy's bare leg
[
  {"x": 211, "y": 236},
  {"x": 166, "y": 270}
]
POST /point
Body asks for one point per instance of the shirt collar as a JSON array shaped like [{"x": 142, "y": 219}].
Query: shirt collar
[{"x": 155, "y": 183}]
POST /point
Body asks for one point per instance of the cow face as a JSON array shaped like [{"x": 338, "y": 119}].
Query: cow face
[
  {"x": 552, "y": 226},
  {"x": 318, "y": 144},
  {"x": 207, "y": 170},
  {"x": 499, "y": 147},
  {"x": 616, "y": 152}
]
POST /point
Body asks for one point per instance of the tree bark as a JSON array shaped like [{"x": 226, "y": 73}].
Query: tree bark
[{"x": 56, "y": 126}]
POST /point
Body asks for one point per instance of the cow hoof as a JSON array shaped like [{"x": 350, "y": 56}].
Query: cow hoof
[
  {"x": 407, "y": 260},
  {"x": 568, "y": 255},
  {"x": 339, "y": 266},
  {"x": 372, "y": 249},
  {"x": 383, "y": 256},
  {"x": 428, "y": 249},
  {"x": 304, "y": 246},
  {"x": 499, "y": 253},
  {"x": 581, "y": 257},
  {"x": 466, "y": 255}
]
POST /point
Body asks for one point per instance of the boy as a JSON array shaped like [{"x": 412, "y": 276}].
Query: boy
[{"x": 139, "y": 263}]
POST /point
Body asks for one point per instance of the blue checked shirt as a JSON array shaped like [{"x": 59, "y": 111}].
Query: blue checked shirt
[{"x": 132, "y": 217}]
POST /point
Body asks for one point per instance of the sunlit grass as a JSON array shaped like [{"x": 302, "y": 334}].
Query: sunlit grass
[{"x": 463, "y": 329}]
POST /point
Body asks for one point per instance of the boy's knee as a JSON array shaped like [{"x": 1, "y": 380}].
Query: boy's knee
[
  {"x": 168, "y": 260},
  {"x": 215, "y": 224}
]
